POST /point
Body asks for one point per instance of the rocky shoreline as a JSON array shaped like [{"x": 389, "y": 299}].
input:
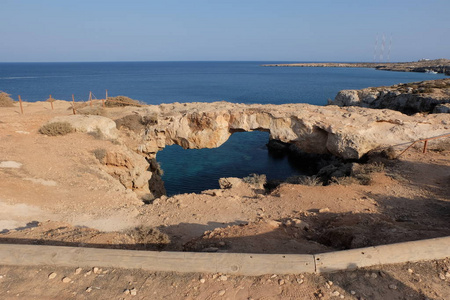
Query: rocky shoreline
[
  {"x": 437, "y": 65},
  {"x": 431, "y": 96}
]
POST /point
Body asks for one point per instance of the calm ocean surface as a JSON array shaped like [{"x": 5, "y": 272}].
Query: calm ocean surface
[{"x": 165, "y": 82}]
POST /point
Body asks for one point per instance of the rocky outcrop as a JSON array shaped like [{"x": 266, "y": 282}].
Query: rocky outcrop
[
  {"x": 90, "y": 124},
  {"x": 408, "y": 98},
  {"x": 345, "y": 132},
  {"x": 348, "y": 132}
]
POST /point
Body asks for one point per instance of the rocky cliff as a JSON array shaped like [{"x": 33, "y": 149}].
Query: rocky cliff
[
  {"x": 348, "y": 132},
  {"x": 426, "y": 96}
]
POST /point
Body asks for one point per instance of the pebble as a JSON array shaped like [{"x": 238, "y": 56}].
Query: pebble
[
  {"x": 88, "y": 290},
  {"x": 223, "y": 278},
  {"x": 353, "y": 292},
  {"x": 442, "y": 276},
  {"x": 392, "y": 286},
  {"x": 202, "y": 280},
  {"x": 322, "y": 210},
  {"x": 221, "y": 292},
  {"x": 52, "y": 275},
  {"x": 78, "y": 271},
  {"x": 300, "y": 281},
  {"x": 330, "y": 282},
  {"x": 281, "y": 282},
  {"x": 335, "y": 294},
  {"x": 447, "y": 274},
  {"x": 66, "y": 280},
  {"x": 126, "y": 291},
  {"x": 96, "y": 270},
  {"x": 373, "y": 275},
  {"x": 410, "y": 271},
  {"x": 1, "y": 276},
  {"x": 133, "y": 292},
  {"x": 222, "y": 243},
  {"x": 342, "y": 296},
  {"x": 88, "y": 273}
]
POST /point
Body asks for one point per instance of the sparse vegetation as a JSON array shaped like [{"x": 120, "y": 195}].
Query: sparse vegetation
[
  {"x": 92, "y": 110},
  {"x": 97, "y": 134},
  {"x": 6, "y": 100},
  {"x": 56, "y": 128},
  {"x": 345, "y": 180},
  {"x": 255, "y": 179},
  {"x": 99, "y": 154},
  {"x": 149, "y": 237},
  {"x": 136, "y": 123},
  {"x": 121, "y": 101}
]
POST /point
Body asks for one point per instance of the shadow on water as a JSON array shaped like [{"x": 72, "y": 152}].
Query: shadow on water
[{"x": 195, "y": 170}]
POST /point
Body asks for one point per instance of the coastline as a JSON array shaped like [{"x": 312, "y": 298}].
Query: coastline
[{"x": 438, "y": 65}]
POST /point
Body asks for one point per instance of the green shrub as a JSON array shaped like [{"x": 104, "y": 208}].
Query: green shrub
[
  {"x": 56, "y": 128},
  {"x": 121, "y": 101},
  {"x": 6, "y": 100}
]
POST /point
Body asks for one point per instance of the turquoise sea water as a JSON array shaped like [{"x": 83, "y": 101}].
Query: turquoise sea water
[{"x": 165, "y": 82}]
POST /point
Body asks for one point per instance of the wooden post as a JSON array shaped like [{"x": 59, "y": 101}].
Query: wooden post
[
  {"x": 90, "y": 98},
  {"x": 21, "y": 107},
  {"x": 73, "y": 104},
  {"x": 425, "y": 146},
  {"x": 106, "y": 98},
  {"x": 51, "y": 101}
]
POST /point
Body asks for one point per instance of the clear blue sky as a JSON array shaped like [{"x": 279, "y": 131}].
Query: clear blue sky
[{"x": 173, "y": 30}]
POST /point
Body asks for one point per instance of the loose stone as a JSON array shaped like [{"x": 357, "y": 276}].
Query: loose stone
[
  {"x": 66, "y": 280},
  {"x": 281, "y": 282},
  {"x": 221, "y": 292},
  {"x": 78, "y": 271},
  {"x": 202, "y": 280},
  {"x": 335, "y": 294},
  {"x": 133, "y": 292},
  {"x": 52, "y": 275},
  {"x": 89, "y": 289},
  {"x": 223, "y": 278},
  {"x": 392, "y": 286}
]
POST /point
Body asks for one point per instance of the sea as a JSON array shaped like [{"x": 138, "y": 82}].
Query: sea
[{"x": 245, "y": 153}]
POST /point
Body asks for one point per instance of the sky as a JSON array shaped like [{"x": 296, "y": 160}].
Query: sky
[{"x": 225, "y": 30}]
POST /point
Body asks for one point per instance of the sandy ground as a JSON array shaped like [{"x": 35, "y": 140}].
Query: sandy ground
[{"x": 54, "y": 191}]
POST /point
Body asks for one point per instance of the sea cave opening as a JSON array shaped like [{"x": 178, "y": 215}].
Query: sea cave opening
[{"x": 245, "y": 153}]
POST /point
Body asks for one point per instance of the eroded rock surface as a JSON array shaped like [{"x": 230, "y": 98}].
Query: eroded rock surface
[{"x": 425, "y": 96}]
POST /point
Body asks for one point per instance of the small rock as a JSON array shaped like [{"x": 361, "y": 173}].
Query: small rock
[
  {"x": 66, "y": 280},
  {"x": 410, "y": 271},
  {"x": 281, "y": 282},
  {"x": 273, "y": 223},
  {"x": 223, "y": 278},
  {"x": 1, "y": 276},
  {"x": 78, "y": 271},
  {"x": 202, "y": 280},
  {"x": 221, "y": 292},
  {"x": 300, "y": 281},
  {"x": 373, "y": 275},
  {"x": 342, "y": 296},
  {"x": 51, "y": 275},
  {"x": 89, "y": 289},
  {"x": 335, "y": 294},
  {"x": 323, "y": 210},
  {"x": 126, "y": 291},
  {"x": 447, "y": 274},
  {"x": 300, "y": 224},
  {"x": 221, "y": 243},
  {"x": 392, "y": 286},
  {"x": 273, "y": 276},
  {"x": 442, "y": 276},
  {"x": 353, "y": 292},
  {"x": 133, "y": 292},
  {"x": 96, "y": 270},
  {"x": 330, "y": 282}
]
